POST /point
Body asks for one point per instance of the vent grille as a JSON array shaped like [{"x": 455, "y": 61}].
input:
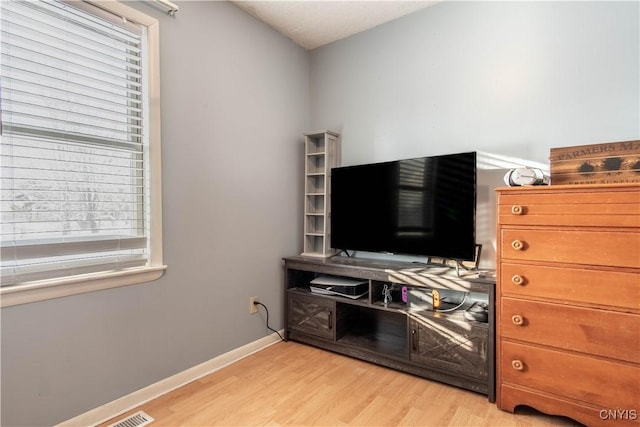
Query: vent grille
[{"x": 138, "y": 419}]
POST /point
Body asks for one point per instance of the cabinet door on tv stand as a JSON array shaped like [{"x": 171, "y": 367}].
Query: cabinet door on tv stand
[
  {"x": 451, "y": 346},
  {"x": 312, "y": 315}
]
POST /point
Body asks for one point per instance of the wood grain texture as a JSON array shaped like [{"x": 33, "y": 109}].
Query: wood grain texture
[
  {"x": 568, "y": 282},
  {"x": 591, "y": 331},
  {"x": 292, "y": 384},
  {"x": 596, "y": 163},
  {"x": 367, "y": 329}
]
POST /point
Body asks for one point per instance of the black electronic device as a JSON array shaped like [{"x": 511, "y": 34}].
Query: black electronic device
[{"x": 423, "y": 206}]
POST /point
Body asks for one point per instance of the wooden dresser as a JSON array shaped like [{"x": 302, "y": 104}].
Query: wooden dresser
[{"x": 568, "y": 301}]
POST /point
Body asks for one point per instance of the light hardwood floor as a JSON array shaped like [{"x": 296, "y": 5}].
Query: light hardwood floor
[{"x": 291, "y": 384}]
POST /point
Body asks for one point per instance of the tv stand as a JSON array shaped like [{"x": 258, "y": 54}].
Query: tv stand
[{"x": 444, "y": 346}]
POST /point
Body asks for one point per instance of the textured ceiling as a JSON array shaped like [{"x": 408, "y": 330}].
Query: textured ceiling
[{"x": 312, "y": 24}]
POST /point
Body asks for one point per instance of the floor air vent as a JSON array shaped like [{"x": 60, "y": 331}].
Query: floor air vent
[{"x": 138, "y": 419}]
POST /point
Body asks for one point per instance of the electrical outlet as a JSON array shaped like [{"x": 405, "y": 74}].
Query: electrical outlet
[{"x": 253, "y": 308}]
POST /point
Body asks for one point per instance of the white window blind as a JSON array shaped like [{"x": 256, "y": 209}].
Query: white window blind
[{"x": 74, "y": 167}]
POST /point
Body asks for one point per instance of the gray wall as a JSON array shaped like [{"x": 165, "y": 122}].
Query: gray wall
[
  {"x": 235, "y": 102},
  {"x": 509, "y": 79}
]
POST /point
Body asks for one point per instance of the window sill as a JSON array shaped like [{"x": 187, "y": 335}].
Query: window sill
[{"x": 56, "y": 288}]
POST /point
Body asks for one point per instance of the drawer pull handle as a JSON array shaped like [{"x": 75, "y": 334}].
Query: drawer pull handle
[
  {"x": 517, "y": 210},
  {"x": 518, "y": 245},
  {"x": 517, "y": 320},
  {"x": 330, "y": 319},
  {"x": 517, "y": 280},
  {"x": 517, "y": 365}
]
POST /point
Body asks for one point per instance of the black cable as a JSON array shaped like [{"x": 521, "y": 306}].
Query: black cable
[
  {"x": 447, "y": 310},
  {"x": 268, "y": 327}
]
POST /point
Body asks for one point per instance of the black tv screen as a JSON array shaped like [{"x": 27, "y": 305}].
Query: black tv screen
[{"x": 424, "y": 206}]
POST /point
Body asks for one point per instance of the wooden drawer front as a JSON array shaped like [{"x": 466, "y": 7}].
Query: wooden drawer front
[
  {"x": 607, "y": 248},
  {"x": 609, "y": 215},
  {"x": 597, "y": 381},
  {"x": 587, "y": 330},
  {"x": 558, "y": 196},
  {"x": 602, "y": 207},
  {"x": 312, "y": 315},
  {"x": 604, "y": 288}
]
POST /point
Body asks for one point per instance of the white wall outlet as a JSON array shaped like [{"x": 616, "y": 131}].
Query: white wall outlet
[{"x": 253, "y": 308}]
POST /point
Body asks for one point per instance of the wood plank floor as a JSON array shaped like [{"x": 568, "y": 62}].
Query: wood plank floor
[{"x": 291, "y": 384}]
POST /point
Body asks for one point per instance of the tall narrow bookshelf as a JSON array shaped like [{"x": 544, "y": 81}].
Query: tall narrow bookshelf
[{"x": 321, "y": 153}]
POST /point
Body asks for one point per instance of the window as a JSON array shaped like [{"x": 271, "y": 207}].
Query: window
[{"x": 80, "y": 151}]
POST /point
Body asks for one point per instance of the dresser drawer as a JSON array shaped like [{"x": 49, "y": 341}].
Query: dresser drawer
[
  {"x": 585, "y": 208},
  {"x": 603, "y": 288},
  {"x": 590, "y": 247},
  {"x": 587, "y": 379},
  {"x": 586, "y": 330}
]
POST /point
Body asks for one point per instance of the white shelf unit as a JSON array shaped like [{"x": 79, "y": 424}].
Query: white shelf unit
[{"x": 321, "y": 153}]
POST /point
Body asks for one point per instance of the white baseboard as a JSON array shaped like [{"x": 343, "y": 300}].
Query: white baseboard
[{"x": 126, "y": 403}]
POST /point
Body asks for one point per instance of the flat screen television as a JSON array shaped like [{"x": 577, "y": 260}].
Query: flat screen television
[{"x": 424, "y": 206}]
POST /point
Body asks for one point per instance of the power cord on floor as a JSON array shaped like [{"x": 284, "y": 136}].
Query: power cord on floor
[{"x": 268, "y": 327}]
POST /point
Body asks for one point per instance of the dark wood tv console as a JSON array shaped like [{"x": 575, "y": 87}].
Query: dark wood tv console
[{"x": 439, "y": 345}]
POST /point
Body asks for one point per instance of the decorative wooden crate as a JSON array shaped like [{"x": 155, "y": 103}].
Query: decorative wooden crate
[{"x": 606, "y": 163}]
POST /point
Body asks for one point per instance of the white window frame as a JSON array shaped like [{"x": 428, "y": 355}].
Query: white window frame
[{"x": 72, "y": 285}]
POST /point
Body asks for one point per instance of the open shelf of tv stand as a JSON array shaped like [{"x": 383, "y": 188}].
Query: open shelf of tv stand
[{"x": 442, "y": 346}]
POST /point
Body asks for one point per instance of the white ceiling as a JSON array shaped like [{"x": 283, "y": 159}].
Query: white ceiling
[{"x": 313, "y": 23}]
